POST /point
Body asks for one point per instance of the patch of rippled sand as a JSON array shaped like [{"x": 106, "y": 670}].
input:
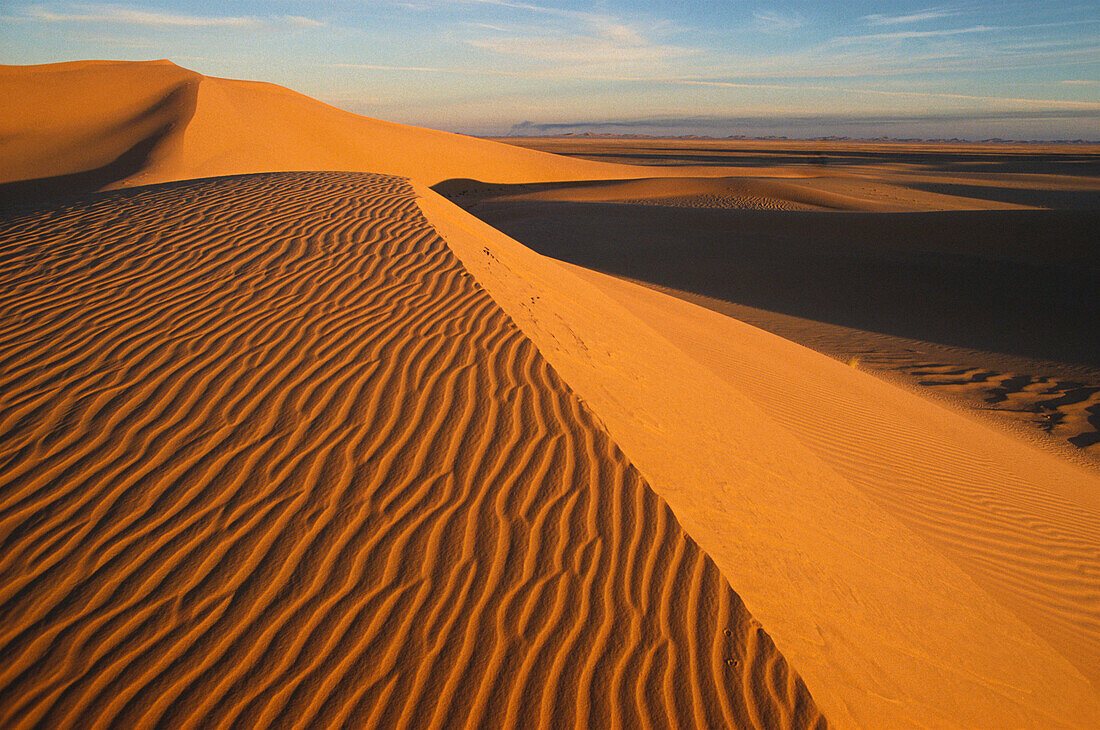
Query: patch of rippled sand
[{"x": 270, "y": 456}]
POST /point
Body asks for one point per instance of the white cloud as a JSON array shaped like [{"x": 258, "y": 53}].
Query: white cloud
[
  {"x": 907, "y": 34},
  {"x": 579, "y": 49},
  {"x": 122, "y": 15},
  {"x": 1055, "y": 103},
  {"x": 918, "y": 17},
  {"x": 429, "y": 69},
  {"x": 575, "y": 37},
  {"x": 302, "y": 22},
  {"x": 773, "y": 22}
]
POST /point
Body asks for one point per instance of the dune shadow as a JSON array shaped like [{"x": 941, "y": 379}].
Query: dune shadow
[
  {"x": 1057, "y": 199},
  {"x": 1021, "y": 282},
  {"x": 156, "y": 123},
  {"x": 131, "y": 161}
]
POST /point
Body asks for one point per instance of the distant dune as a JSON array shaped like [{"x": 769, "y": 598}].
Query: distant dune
[
  {"x": 289, "y": 439},
  {"x": 91, "y": 125}
]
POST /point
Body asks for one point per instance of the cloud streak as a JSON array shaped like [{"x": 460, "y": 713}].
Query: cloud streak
[
  {"x": 1063, "y": 103},
  {"x": 564, "y": 35},
  {"x": 907, "y": 34},
  {"x": 1066, "y": 105},
  {"x": 773, "y": 22},
  {"x": 918, "y": 17},
  {"x": 429, "y": 69},
  {"x": 122, "y": 15},
  {"x": 579, "y": 49}
]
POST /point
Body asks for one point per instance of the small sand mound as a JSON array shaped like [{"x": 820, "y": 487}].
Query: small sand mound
[
  {"x": 720, "y": 200},
  {"x": 270, "y": 456}
]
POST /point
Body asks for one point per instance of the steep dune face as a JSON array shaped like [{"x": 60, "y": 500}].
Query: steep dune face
[
  {"x": 86, "y": 125},
  {"x": 245, "y": 126},
  {"x": 270, "y": 456},
  {"x": 120, "y": 123}
]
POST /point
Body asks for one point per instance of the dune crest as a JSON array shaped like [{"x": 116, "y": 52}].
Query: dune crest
[{"x": 269, "y": 455}]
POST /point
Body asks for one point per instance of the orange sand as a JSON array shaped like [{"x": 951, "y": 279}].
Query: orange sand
[
  {"x": 323, "y": 448},
  {"x": 272, "y": 456}
]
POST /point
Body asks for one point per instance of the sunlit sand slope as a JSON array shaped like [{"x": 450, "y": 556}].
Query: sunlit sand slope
[
  {"x": 89, "y": 125},
  {"x": 1024, "y": 525},
  {"x": 920, "y": 569},
  {"x": 270, "y": 456}
]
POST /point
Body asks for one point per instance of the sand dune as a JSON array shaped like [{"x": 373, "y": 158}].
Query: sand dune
[
  {"x": 738, "y": 192},
  {"x": 920, "y": 569},
  {"x": 966, "y": 159},
  {"x": 92, "y": 125},
  {"x": 88, "y": 122},
  {"x": 271, "y": 456},
  {"x": 1024, "y": 525},
  {"x": 320, "y": 448},
  {"x": 888, "y": 175},
  {"x": 1058, "y": 400},
  {"x": 1066, "y": 408},
  {"x": 1010, "y": 293}
]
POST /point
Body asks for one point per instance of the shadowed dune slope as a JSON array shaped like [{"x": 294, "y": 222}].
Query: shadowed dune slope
[
  {"x": 269, "y": 455},
  {"x": 1022, "y": 282},
  {"x": 89, "y": 125},
  {"x": 73, "y": 127}
]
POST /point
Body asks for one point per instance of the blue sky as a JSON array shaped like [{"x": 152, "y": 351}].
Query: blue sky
[{"x": 1023, "y": 70}]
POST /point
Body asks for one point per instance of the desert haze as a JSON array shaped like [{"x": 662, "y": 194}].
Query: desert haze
[{"x": 313, "y": 420}]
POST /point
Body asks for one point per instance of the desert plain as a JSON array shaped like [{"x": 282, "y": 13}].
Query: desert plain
[{"x": 309, "y": 419}]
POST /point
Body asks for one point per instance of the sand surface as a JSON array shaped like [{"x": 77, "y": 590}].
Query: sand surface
[
  {"x": 919, "y": 568},
  {"x": 322, "y": 448},
  {"x": 994, "y": 308},
  {"x": 1054, "y": 405},
  {"x": 271, "y": 455},
  {"x": 93, "y": 125}
]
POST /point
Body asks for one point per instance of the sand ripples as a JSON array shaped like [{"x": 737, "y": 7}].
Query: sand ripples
[{"x": 270, "y": 456}]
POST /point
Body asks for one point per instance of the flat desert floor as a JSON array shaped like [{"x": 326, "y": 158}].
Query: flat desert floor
[{"x": 314, "y": 420}]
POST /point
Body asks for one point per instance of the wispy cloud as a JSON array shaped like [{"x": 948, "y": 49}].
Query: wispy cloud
[
  {"x": 563, "y": 35},
  {"x": 946, "y": 32},
  {"x": 579, "y": 49},
  {"x": 585, "y": 16},
  {"x": 122, "y": 15},
  {"x": 1015, "y": 102},
  {"x": 606, "y": 24},
  {"x": 430, "y": 69},
  {"x": 302, "y": 21},
  {"x": 775, "y": 22},
  {"x": 907, "y": 34},
  {"x": 1090, "y": 106},
  {"x": 918, "y": 17}
]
